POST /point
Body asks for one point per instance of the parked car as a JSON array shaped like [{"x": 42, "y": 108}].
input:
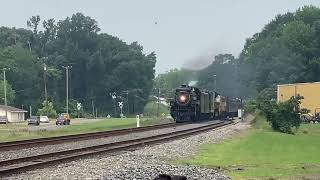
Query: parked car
[
  {"x": 34, "y": 120},
  {"x": 3, "y": 119},
  {"x": 310, "y": 118},
  {"x": 44, "y": 119},
  {"x": 317, "y": 118},
  {"x": 63, "y": 119}
]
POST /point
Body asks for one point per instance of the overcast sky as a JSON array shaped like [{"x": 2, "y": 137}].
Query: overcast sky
[{"x": 179, "y": 31}]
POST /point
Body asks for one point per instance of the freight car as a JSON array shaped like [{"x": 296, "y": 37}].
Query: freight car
[{"x": 195, "y": 104}]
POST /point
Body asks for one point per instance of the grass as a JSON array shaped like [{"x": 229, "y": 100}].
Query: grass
[
  {"x": 20, "y": 131},
  {"x": 263, "y": 153}
]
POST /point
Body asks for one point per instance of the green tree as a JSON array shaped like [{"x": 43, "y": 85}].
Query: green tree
[
  {"x": 100, "y": 63},
  {"x": 285, "y": 51},
  {"x": 10, "y": 93},
  {"x": 171, "y": 80},
  {"x": 285, "y": 116},
  {"x": 73, "y": 111},
  {"x": 47, "y": 110}
]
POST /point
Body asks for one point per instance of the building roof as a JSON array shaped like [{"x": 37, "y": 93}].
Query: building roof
[
  {"x": 298, "y": 84},
  {"x": 12, "y": 109}
]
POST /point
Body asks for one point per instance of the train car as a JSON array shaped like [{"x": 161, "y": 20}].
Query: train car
[
  {"x": 191, "y": 104},
  {"x": 234, "y": 106}
]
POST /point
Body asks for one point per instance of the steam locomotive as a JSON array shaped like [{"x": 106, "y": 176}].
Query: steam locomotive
[{"x": 195, "y": 104}]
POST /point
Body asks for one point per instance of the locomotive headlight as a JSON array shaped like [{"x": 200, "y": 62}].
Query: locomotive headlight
[{"x": 182, "y": 98}]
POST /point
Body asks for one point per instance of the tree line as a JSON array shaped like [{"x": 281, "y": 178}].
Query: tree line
[
  {"x": 101, "y": 64},
  {"x": 287, "y": 50}
]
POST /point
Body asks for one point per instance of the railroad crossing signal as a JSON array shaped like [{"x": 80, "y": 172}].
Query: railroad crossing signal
[
  {"x": 79, "y": 106},
  {"x": 114, "y": 95},
  {"x": 120, "y": 105}
]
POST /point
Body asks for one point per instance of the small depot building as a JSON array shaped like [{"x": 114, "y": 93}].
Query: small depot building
[
  {"x": 310, "y": 92},
  {"x": 13, "y": 114}
]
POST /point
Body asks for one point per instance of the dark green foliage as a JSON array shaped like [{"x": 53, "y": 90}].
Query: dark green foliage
[
  {"x": 250, "y": 106},
  {"x": 222, "y": 73},
  {"x": 266, "y": 101},
  {"x": 285, "y": 116},
  {"x": 10, "y": 93},
  {"x": 226, "y": 75},
  {"x": 285, "y": 51},
  {"x": 73, "y": 111},
  {"x": 101, "y": 64}
]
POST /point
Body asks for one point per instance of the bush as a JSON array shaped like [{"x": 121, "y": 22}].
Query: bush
[
  {"x": 285, "y": 116},
  {"x": 47, "y": 110},
  {"x": 266, "y": 101},
  {"x": 250, "y": 106}
]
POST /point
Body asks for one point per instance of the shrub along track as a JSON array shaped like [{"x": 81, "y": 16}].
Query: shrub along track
[{"x": 13, "y": 166}]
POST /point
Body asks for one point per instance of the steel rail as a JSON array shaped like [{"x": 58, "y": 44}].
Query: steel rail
[
  {"x": 12, "y": 145},
  {"x": 22, "y": 164}
]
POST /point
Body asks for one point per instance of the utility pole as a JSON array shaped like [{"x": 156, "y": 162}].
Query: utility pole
[
  {"x": 44, "y": 59},
  {"x": 29, "y": 44},
  {"x": 67, "y": 85},
  {"x": 215, "y": 82},
  {"x": 242, "y": 112},
  {"x": 158, "y": 113},
  {"x": 128, "y": 107},
  {"x": 45, "y": 82},
  {"x": 5, "y": 92},
  {"x": 93, "y": 114}
]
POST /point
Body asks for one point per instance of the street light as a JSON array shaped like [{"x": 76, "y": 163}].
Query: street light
[
  {"x": 44, "y": 59},
  {"x": 67, "y": 85}
]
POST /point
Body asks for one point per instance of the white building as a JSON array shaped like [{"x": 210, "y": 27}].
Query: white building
[{"x": 13, "y": 114}]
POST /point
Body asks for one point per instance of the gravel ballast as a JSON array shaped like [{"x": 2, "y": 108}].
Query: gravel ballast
[
  {"x": 145, "y": 163},
  {"x": 13, "y": 154}
]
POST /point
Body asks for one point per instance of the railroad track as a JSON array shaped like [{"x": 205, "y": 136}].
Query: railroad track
[
  {"x": 77, "y": 137},
  {"x": 22, "y": 164}
]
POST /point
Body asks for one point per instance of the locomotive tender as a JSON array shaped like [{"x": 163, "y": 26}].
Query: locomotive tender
[{"x": 194, "y": 104}]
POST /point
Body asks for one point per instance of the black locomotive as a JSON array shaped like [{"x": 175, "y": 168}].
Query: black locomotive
[{"x": 195, "y": 104}]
